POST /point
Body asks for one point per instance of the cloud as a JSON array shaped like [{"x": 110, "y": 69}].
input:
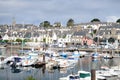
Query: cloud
[
  {"x": 57, "y": 10},
  {"x": 112, "y": 18}
]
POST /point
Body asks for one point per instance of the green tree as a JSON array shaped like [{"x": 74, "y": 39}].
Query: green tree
[
  {"x": 18, "y": 40},
  {"x": 93, "y": 33},
  {"x": 111, "y": 40},
  {"x": 95, "y": 20},
  {"x": 57, "y": 24},
  {"x": 44, "y": 39},
  {"x": 45, "y": 24},
  {"x": 118, "y": 21},
  {"x": 96, "y": 39},
  {"x": 6, "y": 41},
  {"x": 70, "y": 23}
]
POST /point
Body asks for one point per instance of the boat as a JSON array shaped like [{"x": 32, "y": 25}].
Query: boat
[
  {"x": 95, "y": 55},
  {"x": 71, "y": 77},
  {"x": 52, "y": 64},
  {"x": 13, "y": 61},
  {"x": 29, "y": 61},
  {"x": 64, "y": 63},
  {"x": 82, "y": 54},
  {"x": 63, "y": 54},
  {"x": 82, "y": 75},
  {"x": 106, "y": 72},
  {"x": 85, "y": 75},
  {"x": 107, "y": 56}
]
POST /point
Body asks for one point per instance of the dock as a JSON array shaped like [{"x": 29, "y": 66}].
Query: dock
[{"x": 67, "y": 49}]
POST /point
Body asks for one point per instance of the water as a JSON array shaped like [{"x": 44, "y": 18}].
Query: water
[{"x": 23, "y": 73}]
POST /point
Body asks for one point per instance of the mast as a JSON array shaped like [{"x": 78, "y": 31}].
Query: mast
[
  {"x": 22, "y": 38},
  {"x": 11, "y": 35}
]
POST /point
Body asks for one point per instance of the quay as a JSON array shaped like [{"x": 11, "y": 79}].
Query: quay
[
  {"x": 87, "y": 50},
  {"x": 100, "y": 50}
]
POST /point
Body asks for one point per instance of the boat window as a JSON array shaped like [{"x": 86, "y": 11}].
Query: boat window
[
  {"x": 71, "y": 77},
  {"x": 76, "y": 77}
]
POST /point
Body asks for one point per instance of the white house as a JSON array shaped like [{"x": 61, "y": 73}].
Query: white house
[{"x": 6, "y": 37}]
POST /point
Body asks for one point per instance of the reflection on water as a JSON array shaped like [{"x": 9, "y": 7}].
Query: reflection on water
[
  {"x": 43, "y": 73},
  {"x": 15, "y": 70}
]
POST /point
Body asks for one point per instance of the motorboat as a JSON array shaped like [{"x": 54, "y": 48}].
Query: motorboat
[
  {"x": 29, "y": 61},
  {"x": 95, "y": 55},
  {"x": 82, "y": 75},
  {"x": 107, "y": 56},
  {"x": 71, "y": 77}
]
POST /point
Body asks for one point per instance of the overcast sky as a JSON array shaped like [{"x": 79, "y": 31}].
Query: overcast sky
[{"x": 36, "y": 11}]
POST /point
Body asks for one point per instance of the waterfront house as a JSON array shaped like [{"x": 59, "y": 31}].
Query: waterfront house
[
  {"x": 109, "y": 31},
  {"x": 82, "y": 37},
  {"x": 94, "y": 25}
]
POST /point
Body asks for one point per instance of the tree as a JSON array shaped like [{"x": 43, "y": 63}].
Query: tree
[
  {"x": 18, "y": 40},
  {"x": 95, "y": 20},
  {"x": 111, "y": 40},
  {"x": 118, "y": 21},
  {"x": 96, "y": 39},
  {"x": 45, "y": 24},
  {"x": 57, "y": 24},
  {"x": 70, "y": 23},
  {"x": 93, "y": 33}
]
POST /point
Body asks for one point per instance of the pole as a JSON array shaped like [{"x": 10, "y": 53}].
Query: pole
[
  {"x": 11, "y": 41},
  {"x": 93, "y": 69}
]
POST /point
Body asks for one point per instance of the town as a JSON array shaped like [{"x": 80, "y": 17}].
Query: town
[
  {"x": 90, "y": 35},
  {"x": 61, "y": 47}
]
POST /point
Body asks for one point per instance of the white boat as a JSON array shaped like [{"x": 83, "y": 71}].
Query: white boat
[
  {"x": 95, "y": 55},
  {"x": 83, "y": 53},
  {"x": 70, "y": 77},
  {"x": 107, "y": 72},
  {"x": 51, "y": 53},
  {"x": 107, "y": 56},
  {"x": 82, "y": 75},
  {"x": 29, "y": 60},
  {"x": 64, "y": 63},
  {"x": 52, "y": 64},
  {"x": 13, "y": 59}
]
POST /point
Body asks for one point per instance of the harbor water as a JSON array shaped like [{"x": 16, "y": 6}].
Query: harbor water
[{"x": 42, "y": 73}]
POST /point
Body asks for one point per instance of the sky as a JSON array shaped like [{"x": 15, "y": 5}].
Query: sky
[{"x": 37, "y": 11}]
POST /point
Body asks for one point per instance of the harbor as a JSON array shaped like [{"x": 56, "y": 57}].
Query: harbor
[
  {"x": 44, "y": 71},
  {"x": 59, "y": 40}
]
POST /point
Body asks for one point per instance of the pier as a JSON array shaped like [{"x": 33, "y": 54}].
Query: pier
[{"x": 100, "y": 50}]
